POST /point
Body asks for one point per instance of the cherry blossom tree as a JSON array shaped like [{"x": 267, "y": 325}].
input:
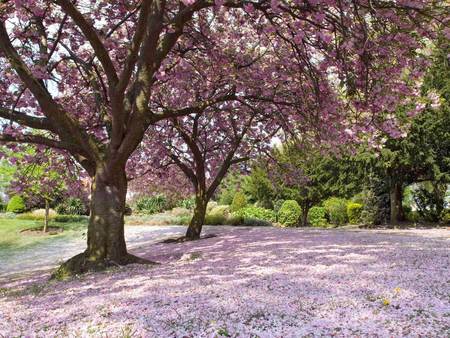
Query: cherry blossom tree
[
  {"x": 88, "y": 77},
  {"x": 204, "y": 146}
]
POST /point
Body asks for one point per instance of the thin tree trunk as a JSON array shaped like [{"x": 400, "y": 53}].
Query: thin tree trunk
[
  {"x": 305, "y": 211},
  {"x": 106, "y": 241},
  {"x": 396, "y": 198},
  {"x": 198, "y": 219},
  {"x": 47, "y": 211}
]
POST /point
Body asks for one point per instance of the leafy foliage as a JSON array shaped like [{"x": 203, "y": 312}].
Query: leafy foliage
[
  {"x": 72, "y": 206},
  {"x": 289, "y": 213},
  {"x": 239, "y": 201},
  {"x": 258, "y": 187},
  {"x": 354, "y": 212},
  {"x": 257, "y": 213},
  {"x": 16, "y": 204},
  {"x": 430, "y": 201},
  {"x": 152, "y": 204},
  {"x": 229, "y": 186},
  {"x": 188, "y": 203},
  {"x": 70, "y": 218},
  {"x": 336, "y": 209},
  {"x": 317, "y": 216}
]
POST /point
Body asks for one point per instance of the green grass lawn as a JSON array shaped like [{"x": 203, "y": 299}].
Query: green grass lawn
[{"x": 12, "y": 238}]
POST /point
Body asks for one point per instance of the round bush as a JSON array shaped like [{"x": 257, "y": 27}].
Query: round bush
[
  {"x": 16, "y": 205},
  {"x": 336, "y": 210},
  {"x": 317, "y": 217},
  {"x": 239, "y": 201},
  {"x": 289, "y": 213},
  {"x": 354, "y": 212}
]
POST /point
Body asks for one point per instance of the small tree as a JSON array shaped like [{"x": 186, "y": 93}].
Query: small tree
[{"x": 43, "y": 177}]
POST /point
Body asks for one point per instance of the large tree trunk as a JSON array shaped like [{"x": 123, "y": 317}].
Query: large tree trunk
[
  {"x": 105, "y": 237},
  {"x": 198, "y": 219},
  {"x": 396, "y": 197}
]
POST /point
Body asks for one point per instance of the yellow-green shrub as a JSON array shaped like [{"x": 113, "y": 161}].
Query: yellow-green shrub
[
  {"x": 354, "y": 212},
  {"x": 239, "y": 202}
]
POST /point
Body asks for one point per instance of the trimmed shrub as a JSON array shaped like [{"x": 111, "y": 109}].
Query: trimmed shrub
[
  {"x": 289, "y": 213},
  {"x": 152, "y": 204},
  {"x": 257, "y": 213},
  {"x": 239, "y": 201},
  {"x": 16, "y": 205},
  {"x": 72, "y": 206},
  {"x": 317, "y": 217},
  {"x": 354, "y": 212},
  {"x": 336, "y": 210}
]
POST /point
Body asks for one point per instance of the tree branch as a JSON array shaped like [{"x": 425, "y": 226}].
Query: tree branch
[
  {"x": 26, "y": 120},
  {"x": 93, "y": 38},
  {"x": 36, "y": 139}
]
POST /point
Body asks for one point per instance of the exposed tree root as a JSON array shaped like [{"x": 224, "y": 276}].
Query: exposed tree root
[{"x": 82, "y": 263}]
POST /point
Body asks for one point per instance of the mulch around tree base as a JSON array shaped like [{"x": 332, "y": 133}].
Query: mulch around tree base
[{"x": 39, "y": 231}]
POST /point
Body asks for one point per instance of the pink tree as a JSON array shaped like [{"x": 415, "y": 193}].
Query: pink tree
[
  {"x": 204, "y": 146},
  {"x": 87, "y": 78}
]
